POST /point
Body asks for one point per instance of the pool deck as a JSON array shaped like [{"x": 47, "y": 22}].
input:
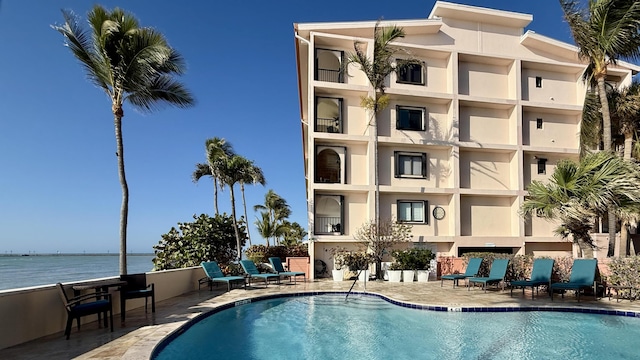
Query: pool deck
[{"x": 136, "y": 338}]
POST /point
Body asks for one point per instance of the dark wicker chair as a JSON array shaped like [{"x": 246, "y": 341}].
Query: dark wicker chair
[
  {"x": 136, "y": 288},
  {"x": 78, "y": 307}
]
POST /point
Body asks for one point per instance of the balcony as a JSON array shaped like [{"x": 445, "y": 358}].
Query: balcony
[
  {"x": 328, "y": 115},
  {"x": 329, "y": 215},
  {"x": 330, "y": 165},
  {"x": 329, "y": 65}
]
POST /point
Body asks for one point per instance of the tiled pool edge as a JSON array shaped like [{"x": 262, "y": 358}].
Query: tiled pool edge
[{"x": 231, "y": 304}]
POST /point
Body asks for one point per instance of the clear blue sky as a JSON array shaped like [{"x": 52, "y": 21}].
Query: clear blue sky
[{"x": 59, "y": 188}]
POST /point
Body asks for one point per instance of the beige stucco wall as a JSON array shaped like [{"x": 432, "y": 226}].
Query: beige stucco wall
[
  {"x": 437, "y": 123},
  {"x": 558, "y": 130},
  {"x": 436, "y": 75},
  {"x": 485, "y": 170},
  {"x": 483, "y": 80},
  {"x": 357, "y": 169},
  {"x": 558, "y": 88},
  {"x": 486, "y": 125},
  {"x": 355, "y": 117},
  {"x": 438, "y": 168},
  {"x": 433, "y": 227},
  {"x": 485, "y": 216},
  {"x": 34, "y": 312},
  {"x": 557, "y": 249}
]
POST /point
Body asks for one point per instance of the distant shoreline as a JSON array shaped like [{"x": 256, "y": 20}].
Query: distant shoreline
[{"x": 76, "y": 254}]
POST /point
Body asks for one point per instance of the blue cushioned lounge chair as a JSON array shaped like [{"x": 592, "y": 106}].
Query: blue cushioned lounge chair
[
  {"x": 251, "y": 269},
  {"x": 214, "y": 274},
  {"x": 583, "y": 274},
  {"x": 277, "y": 266},
  {"x": 540, "y": 275},
  {"x": 472, "y": 270},
  {"x": 496, "y": 274}
]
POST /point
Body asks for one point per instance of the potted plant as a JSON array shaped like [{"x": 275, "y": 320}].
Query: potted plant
[
  {"x": 358, "y": 262},
  {"x": 338, "y": 256},
  {"x": 404, "y": 263},
  {"x": 395, "y": 272}
]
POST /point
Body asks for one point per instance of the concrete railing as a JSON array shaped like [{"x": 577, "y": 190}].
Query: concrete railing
[{"x": 34, "y": 312}]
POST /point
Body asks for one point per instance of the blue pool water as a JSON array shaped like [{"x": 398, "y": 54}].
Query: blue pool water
[{"x": 366, "y": 327}]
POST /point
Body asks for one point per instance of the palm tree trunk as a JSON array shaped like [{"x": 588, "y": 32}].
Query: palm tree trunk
[
  {"x": 215, "y": 195},
  {"x": 606, "y": 139},
  {"x": 244, "y": 205},
  {"x": 235, "y": 223},
  {"x": 587, "y": 250},
  {"x": 624, "y": 230},
  {"x": 124, "y": 208}
]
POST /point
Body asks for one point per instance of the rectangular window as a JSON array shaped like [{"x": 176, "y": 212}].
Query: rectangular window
[
  {"x": 412, "y": 211},
  {"x": 410, "y": 118},
  {"x": 538, "y": 123},
  {"x": 410, "y": 73},
  {"x": 411, "y": 164},
  {"x": 542, "y": 166},
  {"x": 538, "y": 81}
]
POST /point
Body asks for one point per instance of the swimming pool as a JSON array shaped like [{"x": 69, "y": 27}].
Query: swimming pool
[{"x": 367, "y": 327}]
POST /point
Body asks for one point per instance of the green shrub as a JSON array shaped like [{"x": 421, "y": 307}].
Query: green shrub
[
  {"x": 260, "y": 253},
  {"x": 412, "y": 259},
  {"x": 625, "y": 272}
]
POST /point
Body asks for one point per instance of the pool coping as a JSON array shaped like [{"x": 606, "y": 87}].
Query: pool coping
[{"x": 232, "y": 304}]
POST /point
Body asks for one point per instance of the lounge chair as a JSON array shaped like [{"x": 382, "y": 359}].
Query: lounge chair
[
  {"x": 136, "y": 288},
  {"x": 472, "y": 270},
  {"x": 540, "y": 275},
  {"x": 583, "y": 274},
  {"x": 214, "y": 274},
  {"x": 78, "y": 307},
  {"x": 276, "y": 263},
  {"x": 496, "y": 275},
  {"x": 251, "y": 269}
]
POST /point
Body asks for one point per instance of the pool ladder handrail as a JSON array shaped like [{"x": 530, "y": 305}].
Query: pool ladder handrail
[{"x": 354, "y": 284}]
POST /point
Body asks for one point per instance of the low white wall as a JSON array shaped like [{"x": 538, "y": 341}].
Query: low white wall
[{"x": 34, "y": 312}]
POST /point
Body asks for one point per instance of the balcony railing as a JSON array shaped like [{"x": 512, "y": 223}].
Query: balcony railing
[
  {"x": 328, "y": 225},
  {"x": 328, "y": 125},
  {"x": 330, "y": 75}
]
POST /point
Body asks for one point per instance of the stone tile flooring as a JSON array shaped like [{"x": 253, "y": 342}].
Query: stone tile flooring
[{"x": 136, "y": 338}]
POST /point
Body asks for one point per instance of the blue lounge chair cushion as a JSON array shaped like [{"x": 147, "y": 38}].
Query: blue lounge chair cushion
[
  {"x": 472, "y": 270},
  {"x": 496, "y": 274},
  {"x": 214, "y": 274},
  {"x": 251, "y": 269},
  {"x": 540, "y": 274},
  {"x": 277, "y": 266}
]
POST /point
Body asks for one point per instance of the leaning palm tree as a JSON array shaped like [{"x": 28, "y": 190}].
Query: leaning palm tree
[
  {"x": 377, "y": 69},
  {"x": 577, "y": 193},
  {"x": 604, "y": 32},
  {"x": 267, "y": 228},
  {"x": 216, "y": 149},
  {"x": 254, "y": 175},
  {"x": 231, "y": 171},
  {"x": 129, "y": 63},
  {"x": 276, "y": 208}
]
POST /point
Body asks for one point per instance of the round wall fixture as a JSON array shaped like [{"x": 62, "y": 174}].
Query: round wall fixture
[{"x": 438, "y": 213}]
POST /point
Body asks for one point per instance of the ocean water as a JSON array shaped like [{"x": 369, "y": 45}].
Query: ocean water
[{"x": 33, "y": 270}]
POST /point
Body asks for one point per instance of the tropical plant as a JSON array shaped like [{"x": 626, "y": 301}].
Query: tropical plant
[
  {"x": 230, "y": 171},
  {"x": 130, "y": 63},
  {"x": 604, "y": 32},
  {"x": 267, "y": 228},
  {"x": 216, "y": 149},
  {"x": 412, "y": 259},
  {"x": 262, "y": 253},
  {"x": 254, "y": 175},
  {"x": 379, "y": 238},
  {"x": 377, "y": 69},
  {"x": 577, "y": 193},
  {"x": 293, "y": 234},
  {"x": 357, "y": 260},
  {"x": 206, "y": 238},
  {"x": 277, "y": 211}
]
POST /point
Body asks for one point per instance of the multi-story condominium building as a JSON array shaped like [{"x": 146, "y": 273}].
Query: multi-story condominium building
[{"x": 488, "y": 109}]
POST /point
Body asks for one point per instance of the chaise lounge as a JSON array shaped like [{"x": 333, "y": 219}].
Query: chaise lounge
[
  {"x": 540, "y": 275},
  {"x": 583, "y": 274},
  {"x": 276, "y": 263},
  {"x": 253, "y": 272},
  {"x": 472, "y": 270},
  {"x": 496, "y": 275},
  {"x": 214, "y": 274}
]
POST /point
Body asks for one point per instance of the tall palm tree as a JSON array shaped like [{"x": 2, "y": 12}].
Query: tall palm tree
[
  {"x": 604, "y": 32},
  {"x": 294, "y": 233},
  {"x": 276, "y": 208},
  {"x": 267, "y": 228},
  {"x": 577, "y": 193},
  {"x": 216, "y": 149},
  {"x": 129, "y": 63},
  {"x": 377, "y": 69},
  {"x": 231, "y": 171},
  {"x": 254, "y": 175}
]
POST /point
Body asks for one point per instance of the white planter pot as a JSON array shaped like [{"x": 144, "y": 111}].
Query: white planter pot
[
  {"x": 408, "y": 275},
  {"x": 364, "y": 275},
  {"x": 423, "y": 275},
  {"x": 394, "y": 275},
  {"x": 338, "y": 275}
]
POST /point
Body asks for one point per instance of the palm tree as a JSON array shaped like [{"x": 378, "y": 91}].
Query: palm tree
[
  {"x": 276, "y": 208},
  {"x": 579, "y": 192},
  {"x": 254, "y": 175},
  {"x": 605, "y": 32},
  {"x": 231, "y": 171},
  {"x": 130, "y": 63},
  {"x": 293, "y": 234},
  {"x": 216, "y": 149},
  {"x": 267, "y": 228},
  {"x": 377, "y": 70}
]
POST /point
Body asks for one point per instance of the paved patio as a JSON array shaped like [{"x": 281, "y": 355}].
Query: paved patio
[{"x": 136, "y": 338}]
